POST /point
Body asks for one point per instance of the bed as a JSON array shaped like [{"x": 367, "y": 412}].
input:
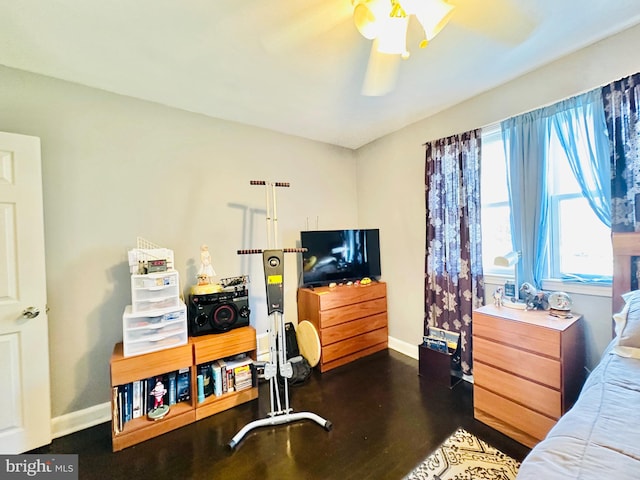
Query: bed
[{"x": 599, "y": 438}]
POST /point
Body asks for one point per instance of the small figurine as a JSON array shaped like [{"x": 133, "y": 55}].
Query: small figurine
[
  {"x": 142, "y": 267},
  {"x": 158, "y": 394},
  {"x": 498, "y": 295},
  {"x": 534, "y": 299},
  {"x": 159, "y": 409},
  {"x": 204, "y": 277},
  {"x": 206, "y": 271}
]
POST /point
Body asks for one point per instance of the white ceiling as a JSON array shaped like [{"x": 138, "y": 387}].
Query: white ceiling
[{"x": 293, "y": 66}]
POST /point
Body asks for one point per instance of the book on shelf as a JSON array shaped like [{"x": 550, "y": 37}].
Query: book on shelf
[
  {"x": 216, "y": 370},
  {"x": 223, "y": 375},
  {"x": 136, "y": 410},
  {"x": 115, "y": 413},
  {"x": 143, "y": 397},
  {"x": 183, "y": 385},
  {"x": 150, "y": 384},
  {"x": 173, "y": 391},
  {"x": 204, "y": 369},
  {"x": 126, "y": 401},
  {"x": 120, "y": 410}
]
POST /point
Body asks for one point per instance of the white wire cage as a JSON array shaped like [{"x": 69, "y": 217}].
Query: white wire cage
[{"x": 145, "y": 252}]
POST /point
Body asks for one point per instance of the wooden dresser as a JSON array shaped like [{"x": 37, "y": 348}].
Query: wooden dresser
[
  {"x": 351, "y": 320},
  {"x": 528, "y": 368}
]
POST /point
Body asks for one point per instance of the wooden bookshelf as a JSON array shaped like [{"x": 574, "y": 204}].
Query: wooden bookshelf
[
  {"x": 129, "y": 369},
  {"x": 213, "y": 347},
  {"x": 199, "y": 350}
]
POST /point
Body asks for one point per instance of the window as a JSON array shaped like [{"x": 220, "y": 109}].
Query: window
[
  {"x": 496, "y": 228},
  {"x": 579, "y": 243}
]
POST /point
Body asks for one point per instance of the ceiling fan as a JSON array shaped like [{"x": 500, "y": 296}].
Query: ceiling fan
[{"x": 386, "y": 23}]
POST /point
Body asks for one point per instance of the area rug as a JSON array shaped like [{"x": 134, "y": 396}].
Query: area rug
[{"x": 463, "y": 456}]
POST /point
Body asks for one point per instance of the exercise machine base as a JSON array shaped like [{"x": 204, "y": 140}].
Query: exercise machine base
[{"x": 279, "y": 420}]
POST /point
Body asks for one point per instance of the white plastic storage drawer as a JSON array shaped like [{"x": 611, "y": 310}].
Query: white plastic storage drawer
[
  {"x": 155, "y": 291},
  {"x": 152, "y": 331}
]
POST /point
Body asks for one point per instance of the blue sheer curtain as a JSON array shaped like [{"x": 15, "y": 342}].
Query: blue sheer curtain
[
  {"x": 579, "y": 122},
  {"x": 526, "y": 141},
  {"x": 581, "y": 127}
]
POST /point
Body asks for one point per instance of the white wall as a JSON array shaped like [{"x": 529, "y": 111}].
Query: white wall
[
  {"x": 115, "y": 168},
  {"x": 391, "y": 176}
]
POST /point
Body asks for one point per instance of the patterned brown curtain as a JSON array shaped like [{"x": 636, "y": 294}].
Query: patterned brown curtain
[
  {"x": 622, "y": 110},
  {"x": 454, "y": 284}
]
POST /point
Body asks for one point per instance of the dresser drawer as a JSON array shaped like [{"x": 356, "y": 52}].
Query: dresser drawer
[
  {"x": 536, "y": 397},
  {"x": 519, "y": 362},
  {"x": 354, "y": 344},
  {"x": 538, "y": 339},
  {"x": 336, "y": 316},
  {"x": 509, "y": 415},
  {"x": 340, "y": 297},
  {"x": 353, "y": 328}
]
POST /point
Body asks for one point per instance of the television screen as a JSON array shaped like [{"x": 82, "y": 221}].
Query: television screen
[{"x": 340, "y": 255}]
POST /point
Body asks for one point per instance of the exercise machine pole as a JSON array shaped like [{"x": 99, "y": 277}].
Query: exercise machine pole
[{"x": 273, "y": 265}]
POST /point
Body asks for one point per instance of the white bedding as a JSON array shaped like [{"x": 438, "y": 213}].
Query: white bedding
[{"x": 599, "y": 438}]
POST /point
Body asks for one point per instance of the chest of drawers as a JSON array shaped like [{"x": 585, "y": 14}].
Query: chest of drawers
[
  {"x": 528, "y": 368},
  {"x": 351, "y": 321}
]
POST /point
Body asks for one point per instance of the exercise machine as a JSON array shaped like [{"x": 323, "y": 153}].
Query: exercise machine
[{"x": 278, "y": 364}]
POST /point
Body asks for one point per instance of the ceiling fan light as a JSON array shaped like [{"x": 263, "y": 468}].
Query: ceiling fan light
[
  {"x": 392, "y": 38},
  {"x": 365, "y": 21},
  {"x": 433, "y": 15},
  {"x": 368, "y": 16}
]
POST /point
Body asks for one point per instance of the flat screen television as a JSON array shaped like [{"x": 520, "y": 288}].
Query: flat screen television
[{"x": 340, "y": 256}]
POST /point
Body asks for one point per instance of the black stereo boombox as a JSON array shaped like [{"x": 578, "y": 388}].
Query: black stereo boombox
[{"x": 218, "y": 312}]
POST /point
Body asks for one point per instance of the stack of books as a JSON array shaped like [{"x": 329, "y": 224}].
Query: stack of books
[{"x": 227, "y": 375}]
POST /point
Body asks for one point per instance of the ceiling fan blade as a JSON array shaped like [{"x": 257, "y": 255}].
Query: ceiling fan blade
[
  {"x": 382, "y": 72},
  {"x": 306, "y": 24},
  {"x": 501, "y": 20}
]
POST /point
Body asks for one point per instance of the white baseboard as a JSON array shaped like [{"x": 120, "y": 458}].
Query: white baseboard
[
  {"x": 89, "y": 417},
  {"x": 408, "y": 349},
  {"x": 81, "y": 419}
]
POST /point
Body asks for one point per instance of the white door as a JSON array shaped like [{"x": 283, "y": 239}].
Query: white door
[{"x": 25, "y": 404}]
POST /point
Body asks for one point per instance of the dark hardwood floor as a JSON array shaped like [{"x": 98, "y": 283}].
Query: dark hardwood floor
[{"x": 386, "y": 420}]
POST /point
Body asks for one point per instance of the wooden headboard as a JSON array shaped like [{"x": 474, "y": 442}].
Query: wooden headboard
[{"x": 626, "y": 246}]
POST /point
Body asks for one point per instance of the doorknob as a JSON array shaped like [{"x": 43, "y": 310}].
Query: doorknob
[{"x": 30, "y": 312}]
